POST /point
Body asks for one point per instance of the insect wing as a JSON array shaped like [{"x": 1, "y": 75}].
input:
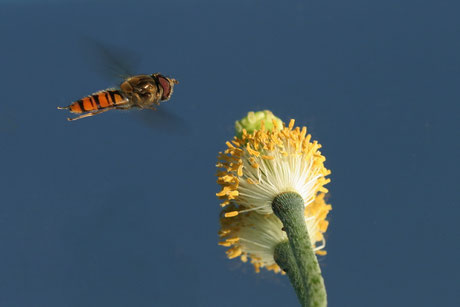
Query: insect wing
[{"x": 112, "y": 62}]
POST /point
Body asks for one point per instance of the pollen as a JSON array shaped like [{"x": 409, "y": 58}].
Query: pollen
[
  {"x": 255, "y": 168},
  {"x": 251, "y": 151},
  {"x": 240, "y": 171},
  {"x": 279, "y": 160},
  {"x": 230, "y": 146},
  {"x": 233, "y": 252},
  {"x": 231, "y": 214},
  {"x": 255, "y": 236}
]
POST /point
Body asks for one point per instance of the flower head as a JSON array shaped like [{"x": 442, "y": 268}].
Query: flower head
[
  {"x": 255, "y": 236},
  {"x": 254, "y": 120},
  {"x": 259, "y": 166}
]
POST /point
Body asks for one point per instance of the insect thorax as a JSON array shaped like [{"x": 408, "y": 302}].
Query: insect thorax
[{"x": 142, "y": 90}]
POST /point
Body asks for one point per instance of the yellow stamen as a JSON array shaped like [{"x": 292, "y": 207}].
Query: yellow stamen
[
  {"x": 253, "y": 162},
  {"x": 225, "y": 203},
  {"x": 233, "y": 240},
  {"x": 240, "y": 170},
  {"x": 246, "y": 167},
  {"x": 231, "y": 214},
  {"x": 257, "y": 267},
  {"x": 251, "y": 151},
  {"x": 233, "y": 252}
]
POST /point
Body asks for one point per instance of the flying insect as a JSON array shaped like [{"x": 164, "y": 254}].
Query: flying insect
[{"x": 139, "y": 91}]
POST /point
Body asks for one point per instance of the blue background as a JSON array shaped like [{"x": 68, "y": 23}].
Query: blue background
[{"x": 120, "y": 209}]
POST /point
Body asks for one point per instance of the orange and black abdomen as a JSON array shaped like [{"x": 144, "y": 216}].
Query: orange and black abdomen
[{"x": 98, "y": 101}]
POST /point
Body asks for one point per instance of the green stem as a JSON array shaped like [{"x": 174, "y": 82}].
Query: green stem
[
  {"x": 289, "y": 208},
  {"x": 285, "y": 259}
]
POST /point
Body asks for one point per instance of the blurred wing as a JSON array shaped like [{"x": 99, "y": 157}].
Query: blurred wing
[
  {"x": 165, "y": 121},
  {"x": 110, "y": 61}
]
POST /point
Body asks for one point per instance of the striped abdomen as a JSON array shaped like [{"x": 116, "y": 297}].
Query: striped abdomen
[{"x": 98, "y": 101}]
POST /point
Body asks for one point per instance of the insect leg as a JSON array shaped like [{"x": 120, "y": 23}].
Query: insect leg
[
  {"x": 123, "y": 107},
  {"x": 90, "y": 114}
]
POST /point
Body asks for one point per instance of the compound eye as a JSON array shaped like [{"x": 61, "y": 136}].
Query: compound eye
[{"x": 166, "y": 87}]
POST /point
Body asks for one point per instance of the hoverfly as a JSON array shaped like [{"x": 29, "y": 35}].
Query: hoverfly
[{"x": 139, "y": 91}]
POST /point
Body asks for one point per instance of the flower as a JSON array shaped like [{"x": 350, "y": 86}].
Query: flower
[
  {"x": 256, "y": 235},
  {"x": 259, "y": 166}
]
